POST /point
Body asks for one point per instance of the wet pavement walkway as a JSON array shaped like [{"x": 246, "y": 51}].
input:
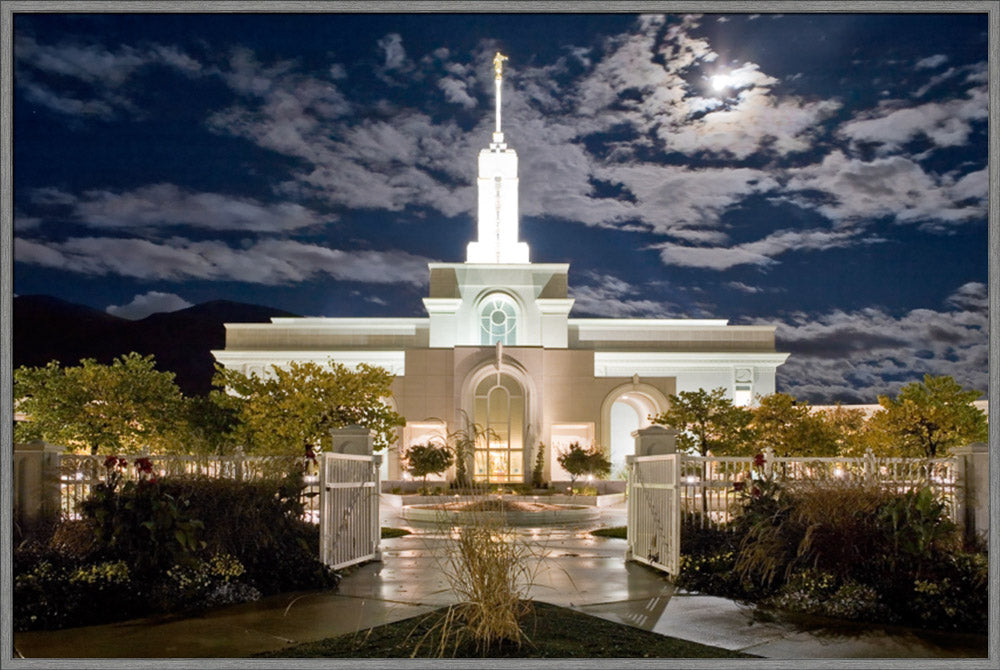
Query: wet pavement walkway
[{"x": 579, "y": 571}]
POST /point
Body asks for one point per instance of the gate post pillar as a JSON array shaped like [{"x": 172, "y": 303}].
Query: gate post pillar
[
  {"x": 37, "y": 489},
  {"x": 973, "y": 488},
  {"x": 630, "y": 501},
  {"x": 353, "y": 439},
  {"x": 655, "y": 440},
  {"x": 377, "y": 522}
]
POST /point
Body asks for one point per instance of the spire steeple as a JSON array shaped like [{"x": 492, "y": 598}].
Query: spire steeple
[
  {"x": 497, "y": 187},
  {"x": 498, "y": 82}
]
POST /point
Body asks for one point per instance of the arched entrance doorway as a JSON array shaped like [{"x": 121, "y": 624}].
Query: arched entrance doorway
[
  {"x": 625, "y": 410},
  {"x": 499, "y": 406}
]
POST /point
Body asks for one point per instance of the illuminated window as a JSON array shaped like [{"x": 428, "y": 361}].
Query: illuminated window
[
  {"x": 498, "y": 320},
  {"x": 499, "y": 406}
]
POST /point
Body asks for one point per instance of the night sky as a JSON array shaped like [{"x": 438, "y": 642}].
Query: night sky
[{"x": 825, "y": 173}]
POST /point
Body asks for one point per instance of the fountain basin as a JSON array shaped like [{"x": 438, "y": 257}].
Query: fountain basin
[{"x": 514, "y": 513}]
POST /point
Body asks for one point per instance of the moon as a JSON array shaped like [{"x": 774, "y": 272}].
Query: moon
[{"x": 721, "y": 81}]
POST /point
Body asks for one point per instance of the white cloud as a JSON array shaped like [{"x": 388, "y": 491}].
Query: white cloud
[
  {"x": 931, "y": 62},
  {"x": 854, "y": 191},
  {"x": 152, "y": 302},
  {"x": 744, "y": 288},
  {"x": 105, "y": 72},
  {"x": 609, "y": 296},
  {"x": 456, "y": 91},
  {"x": 759, "y": 252},
  {"x": 392, "y": 48},
  {"x": 167, "y": 205},
  {"x": 271, "y": 262},
  {"x": 856, "y": 356},
  {"x": 894, "y": 122}
]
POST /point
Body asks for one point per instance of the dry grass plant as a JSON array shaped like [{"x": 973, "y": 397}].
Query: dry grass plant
[
  {"x": 491, "y": 570},
  {"x": 826, "y": 523}
]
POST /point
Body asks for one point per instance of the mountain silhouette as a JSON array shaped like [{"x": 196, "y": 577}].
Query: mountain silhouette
[{"x": 47, "y": 328}]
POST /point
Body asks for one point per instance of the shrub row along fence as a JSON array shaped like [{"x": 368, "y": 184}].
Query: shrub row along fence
[
  {"x": 668, "y": 490},
  {"x": 711, "y": 486},
  {"x": 49, "y": 482}
]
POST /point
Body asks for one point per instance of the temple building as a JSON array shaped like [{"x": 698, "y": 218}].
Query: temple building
[{"x": 498, "y": 347}]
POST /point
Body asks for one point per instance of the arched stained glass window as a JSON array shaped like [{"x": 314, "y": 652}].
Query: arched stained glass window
[
  {"x": 498, "y": 320},
  {"x": 500, "y": 408}
]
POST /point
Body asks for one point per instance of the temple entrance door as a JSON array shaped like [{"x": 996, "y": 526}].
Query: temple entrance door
[{"x": 499, "y": 406}]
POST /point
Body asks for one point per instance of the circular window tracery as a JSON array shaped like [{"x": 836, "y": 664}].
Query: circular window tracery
[{"x": 498, "y": 319}]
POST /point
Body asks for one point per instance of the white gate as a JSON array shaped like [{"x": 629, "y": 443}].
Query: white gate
[
  {"x": 349, "y": 522},
  {"x": 654, "y": 511}
]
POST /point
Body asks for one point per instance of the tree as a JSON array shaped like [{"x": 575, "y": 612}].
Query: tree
[
  {"x": 578, "y": 461},
  {"x": 426, "y": 459},
  {"x": 708, "y": 421},
  {"x": 790, "y": 428},
  {"x": 208, "y": 425},
  {"x": 537, "y": 478},
  {"x": 294, "y": 408},
  {"x": 117, "y": 408},
  {"x": 927, "y": 418},
  {"x": 846, "y": 427}
]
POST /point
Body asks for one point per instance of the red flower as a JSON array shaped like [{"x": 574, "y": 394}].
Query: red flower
[
  {"x": 738, "y": 486},
  {"x": 144, "y": 465},
  {"x": 758, "y": 460},
  {"x": 756, "y": 492},
  {"x": 110, "y": 462}
]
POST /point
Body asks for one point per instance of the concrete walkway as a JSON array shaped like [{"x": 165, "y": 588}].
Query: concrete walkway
[{"x": 579, "y": 571}]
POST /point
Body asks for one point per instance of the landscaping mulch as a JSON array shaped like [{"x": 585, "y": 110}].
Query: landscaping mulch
[{"x": 554, "y": 632}]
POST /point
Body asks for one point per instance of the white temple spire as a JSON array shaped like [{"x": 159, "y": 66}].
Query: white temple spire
[{"x": 497, "y": 187}]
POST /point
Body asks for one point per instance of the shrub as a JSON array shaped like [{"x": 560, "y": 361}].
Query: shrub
[
  {"x": 427, "y": 459},
  {"x": 841, "y": 549},
  {"x": 140, "y": 520},
  {"x": 826, "y": 525},
  {"x": 822, "y": 593},
  {"x": 260, "y": 524},
  {"x": 51, "y": 591},
  {"x": 578, "y": 461},
  {"x": 537, "y": 478},
  {"x": 119, "y": 561}
]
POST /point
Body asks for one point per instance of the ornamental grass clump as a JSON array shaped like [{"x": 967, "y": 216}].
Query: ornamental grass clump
[
  {"x": 491, "y": 571},
  {"x": 829, "y": 525}
]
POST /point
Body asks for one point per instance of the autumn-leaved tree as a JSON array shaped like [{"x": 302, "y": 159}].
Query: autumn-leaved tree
[
  {"x": 709, "y": 422},
  {"x": 791, "y": 429},
  {"x": 927, "y": 418},
  {"x": 846, "y": 425},
  {"x": 117, "y": 408},
  {"x": 293, "y": 408}
]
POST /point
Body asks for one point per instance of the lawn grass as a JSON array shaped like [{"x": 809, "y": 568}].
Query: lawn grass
[
  {"x": 555, "y": 632},
  {"x": 619, "y": 532},
  {"x": 388, "y": 532}
]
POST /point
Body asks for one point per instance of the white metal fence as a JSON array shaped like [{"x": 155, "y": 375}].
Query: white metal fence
[
  {"x": 709, "y": 494},
  {"x": 350, "y": 531},
  {"x": 79, "y": 473},
  {"x": 654, "y": 511},
  {"x": 706, "y": 491}
]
